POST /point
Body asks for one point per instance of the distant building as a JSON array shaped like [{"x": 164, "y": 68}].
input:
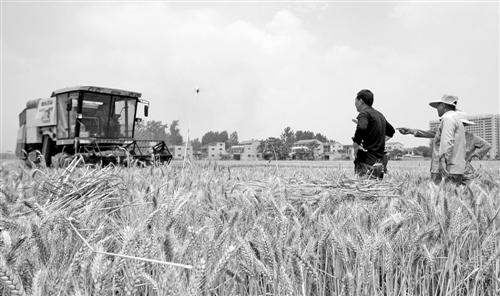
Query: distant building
[
  {"x": 349, "y": 151},
  {"x": 334, "y": 150},
  {"x": 392, "y": 146},
  {"x": 299, "y": 148},
  {"x": 179, "y": 151},
  {"x": 409, "y": 151},
  {"x": 246, "y": 150},
  {"x": 214, "y": 151},
  {"x": 409, "y": 154},
  {"x": 486, "y": 126}
]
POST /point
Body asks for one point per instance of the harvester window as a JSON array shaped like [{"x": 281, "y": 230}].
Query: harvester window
[
  {"x": 66, "y": 119},
  {"x": 107, "y": 116},
  {"x": 123, "y": 116},
  {"x": 95, "y": 115}
]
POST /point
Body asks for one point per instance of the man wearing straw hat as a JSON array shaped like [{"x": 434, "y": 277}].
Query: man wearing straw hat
[
  {"x": 372, "y": 131},
  {"x": 474, "y": 146},
  {"x": 448, "y": 146}
]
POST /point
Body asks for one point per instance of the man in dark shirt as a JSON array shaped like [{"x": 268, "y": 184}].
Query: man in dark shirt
[{"x": 372, "y": 131}]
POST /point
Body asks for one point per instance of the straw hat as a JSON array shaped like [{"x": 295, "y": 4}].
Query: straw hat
[{"x": 447, "y": 99}]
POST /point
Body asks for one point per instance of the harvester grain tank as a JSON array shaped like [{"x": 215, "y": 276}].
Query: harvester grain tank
[{"x": 96, "y": 123}]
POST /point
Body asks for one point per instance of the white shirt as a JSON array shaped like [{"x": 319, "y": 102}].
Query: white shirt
[{"x": 449, "y": 143}]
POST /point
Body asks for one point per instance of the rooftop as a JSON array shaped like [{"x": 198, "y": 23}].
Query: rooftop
[
  {"x": 308, "y": 141},
  {"x": 248, "y": 142}
]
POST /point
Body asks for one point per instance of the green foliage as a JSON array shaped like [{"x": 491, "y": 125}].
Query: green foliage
[
  {"x": 196, "y": 144},
  {"x": 308, "y": 135},
  {"x": 304, "y": 135},
  {"x": 394, "y": 153},
  {"x": 233, "y": 140},
  {"x": 151, "y": 130},
  {"x": 321, "y": 138},
  {"x": 308, "y": 152},
  {"x": 174, "y": 138},
  {"x": 288, "y": 138},
  {"x": 156, "y": 130},
  {"x": 311, "y": 147},
  {"x": 425, "y": 151},
  {"x": 212, "y": 137},
  {"x": 273, "y": 148}
]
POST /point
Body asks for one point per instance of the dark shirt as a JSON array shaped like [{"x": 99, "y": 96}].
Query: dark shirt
[{"x": 370, "y": 133}]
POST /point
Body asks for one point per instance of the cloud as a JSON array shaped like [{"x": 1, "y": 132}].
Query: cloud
[
  {"x": 257, "y": 77},
  {"x": 236, "y": 65}
]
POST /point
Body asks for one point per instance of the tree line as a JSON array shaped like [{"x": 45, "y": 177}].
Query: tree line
[
  {"x": 271, "y": 148},
  {"x": 280, "y": 146}
]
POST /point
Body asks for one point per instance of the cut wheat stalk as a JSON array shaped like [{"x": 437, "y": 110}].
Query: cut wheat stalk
[{"x": 129, "y": 257}]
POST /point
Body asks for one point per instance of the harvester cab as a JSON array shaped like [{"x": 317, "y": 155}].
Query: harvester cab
[{"x": 94, "y": 122}]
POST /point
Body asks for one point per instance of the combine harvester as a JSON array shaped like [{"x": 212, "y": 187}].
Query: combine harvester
[{"x": 95, "y": 123}]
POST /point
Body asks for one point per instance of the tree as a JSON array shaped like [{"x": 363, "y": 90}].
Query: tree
[
  {"x": 151, "y": 130},
  {"x": 425, "y": 151},
  {"x": 321, "y": 138},
  {"x": 272, "y": 148},
  {"x": 212, "y": 137},
  {"x": 223, "y": 137},
  {"x": 288, "y": 138},
  {"x": 208, "y": 138},
  {"x": 174, "y": 138},
  {"x": 394, "y": 153},
  {"x": 196, "y": 144},
  {"x": 233, "y": 140},
  {"x": 311, "y": 147},
  {"x": 308, "y": 151},
  {"x": 304, "y": 135}
]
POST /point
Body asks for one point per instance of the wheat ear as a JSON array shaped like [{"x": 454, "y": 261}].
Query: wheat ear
[{"x": 10, "y": 280}]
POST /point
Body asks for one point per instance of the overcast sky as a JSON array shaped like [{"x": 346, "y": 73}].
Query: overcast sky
[{"x": 260, "y": 66}]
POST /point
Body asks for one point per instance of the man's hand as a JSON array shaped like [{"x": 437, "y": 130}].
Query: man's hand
[
  {"x": 357, "y": 147},
  {"x": 442, "y": 167},
  {"x": 469, "y": 156},
  {"x": 406, "y": 130},
  {"x": 355, "y": 121}
]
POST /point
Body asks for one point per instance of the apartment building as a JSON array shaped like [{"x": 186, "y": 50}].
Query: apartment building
[
  {"x": 214, "y": 151},
  {"x": 300, "y": 149},
  {"x": 179, "y": 151},
  {"x": 486, "y": 126},
  {"x": 246, "y": 150}
]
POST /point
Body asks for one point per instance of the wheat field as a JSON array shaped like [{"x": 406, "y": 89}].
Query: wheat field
[{"x": 279, "y": 228}]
